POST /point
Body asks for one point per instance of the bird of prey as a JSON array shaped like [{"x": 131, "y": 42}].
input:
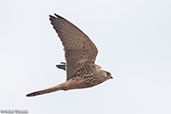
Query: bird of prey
[{"x": 80, "y": 56}]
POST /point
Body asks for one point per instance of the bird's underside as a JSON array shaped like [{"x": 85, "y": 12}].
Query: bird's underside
[{"x": 80, "y": 55}]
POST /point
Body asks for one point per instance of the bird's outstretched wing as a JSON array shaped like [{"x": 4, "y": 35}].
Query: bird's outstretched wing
[{"x": 80, "y": 51}]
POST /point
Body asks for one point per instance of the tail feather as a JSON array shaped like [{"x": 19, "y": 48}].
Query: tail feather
[
  {"x": 61, "y": 67},
  {"x": 48, "y": 90}
]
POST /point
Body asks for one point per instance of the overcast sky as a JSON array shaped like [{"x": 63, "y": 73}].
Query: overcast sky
[{"x": 134, "y": 42}]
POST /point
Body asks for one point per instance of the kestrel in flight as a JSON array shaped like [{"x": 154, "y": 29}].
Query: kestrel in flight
[{"x": 80, "y": 55}]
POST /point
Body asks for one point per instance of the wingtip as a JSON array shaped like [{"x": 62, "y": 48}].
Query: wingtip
[
  {"x": 58, "y": 16},
  {"x": 32, "y": 94},
  {"x": 27, "y": 95},
  {"x": 51, "y": 17}
]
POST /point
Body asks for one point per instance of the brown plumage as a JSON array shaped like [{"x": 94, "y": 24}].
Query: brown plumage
[{"x": 80, "y": 55}]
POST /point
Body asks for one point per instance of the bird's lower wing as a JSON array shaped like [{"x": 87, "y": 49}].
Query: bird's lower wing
[{"x": 48, "y": 90}]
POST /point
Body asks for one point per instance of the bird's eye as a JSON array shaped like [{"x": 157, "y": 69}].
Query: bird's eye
[{"x": 108, "y": 73}]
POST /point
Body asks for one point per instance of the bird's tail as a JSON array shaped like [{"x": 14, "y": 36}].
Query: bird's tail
[
  {"x": 61, "y": 66},
  {"x": 48, "y": 90}
]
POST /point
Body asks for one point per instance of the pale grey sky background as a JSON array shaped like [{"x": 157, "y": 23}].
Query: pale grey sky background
[{"x": 134, "y": 42}]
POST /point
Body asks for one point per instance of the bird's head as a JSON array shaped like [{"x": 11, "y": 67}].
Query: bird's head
[{"x": 107, "y": 75}]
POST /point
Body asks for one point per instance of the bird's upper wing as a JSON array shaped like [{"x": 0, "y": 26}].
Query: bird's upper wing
[{"x": 79, "y": 49}]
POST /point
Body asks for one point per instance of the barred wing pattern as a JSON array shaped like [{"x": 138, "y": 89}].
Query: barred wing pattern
[{"x": 80, "y": 51}]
